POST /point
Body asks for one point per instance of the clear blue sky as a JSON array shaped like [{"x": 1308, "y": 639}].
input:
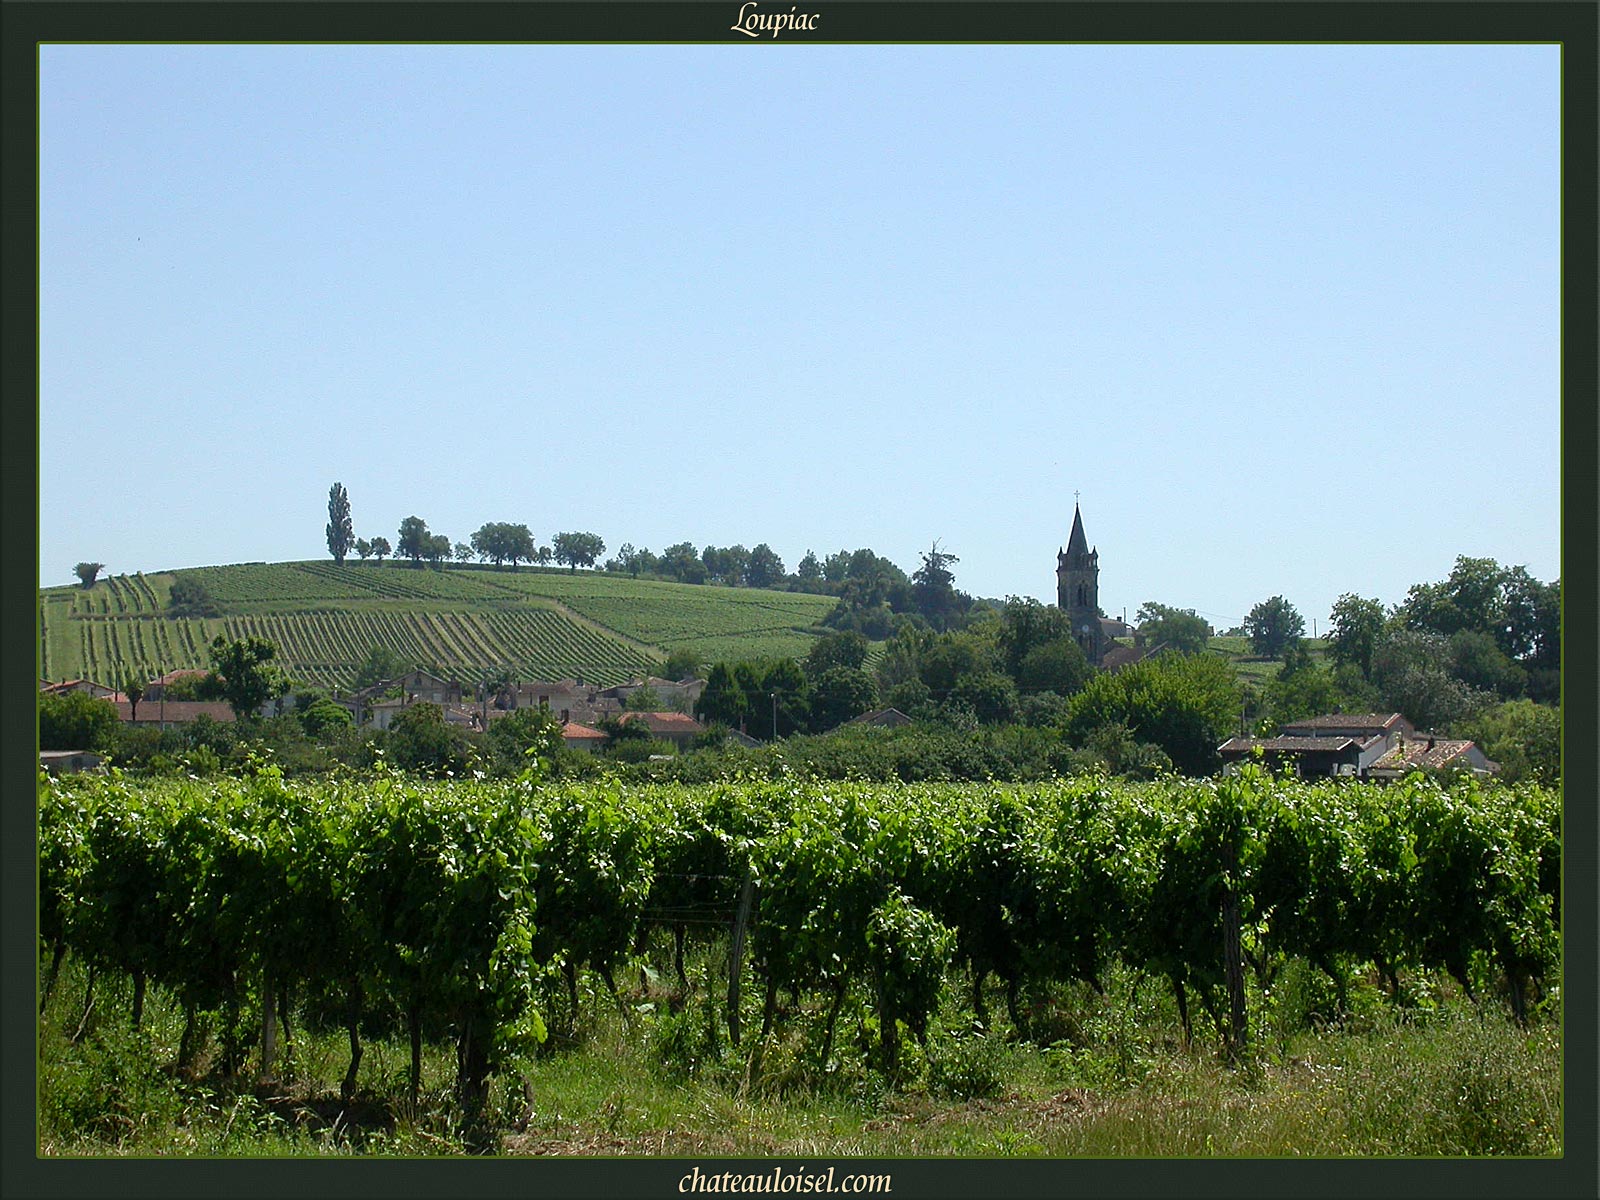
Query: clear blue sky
[{"x": 1286, "y": 316}]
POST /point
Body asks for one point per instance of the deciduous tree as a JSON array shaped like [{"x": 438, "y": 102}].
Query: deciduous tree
[
  {"x": 76, "y": 721},
  {"x": 765, "y": 568},
  {"x": 1180, "y": 629},
  {"x": 839, "y": 694},
  {"x": 1186, "y": 704},
  {"x": 250, "y": 676},
  {"x": 1272, "y": 625},
  {"x": 1354, "y": 630},
  {"x": 413, "y": 540},
  {"x": 86, "y": 572},
  {"x": 578, "y": 549}
]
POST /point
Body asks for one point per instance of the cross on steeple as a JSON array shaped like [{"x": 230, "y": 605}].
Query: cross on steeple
[{"x": 1075, "y": 496}]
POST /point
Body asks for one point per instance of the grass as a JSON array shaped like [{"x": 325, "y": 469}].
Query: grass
[{"x": 1106, "y": 1077}]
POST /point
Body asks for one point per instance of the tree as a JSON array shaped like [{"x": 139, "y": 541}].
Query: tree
[
  {"x": 1057, "y": 666},
  {"x": 933, "y": 588},
  {"x": 810, "y": 570},
  {"x": 86, "y": 572},
  {"x": 527, "y": 734},
  {"x": 682, "y": 663},
  {"x": 1180, "y": 629},
  {"x": 578, "y": 549},
  {"x": 364, "y": 548},
  {"x": 783, "y": 690},
  {"x": 248, "y": 673},
  {"x": 1506, "y": 603},
  {"x": 502, "y": 541},
  {"x": 682, "y": 562},
  {"x": 1307, "y": 690},
  {"x": 949, "y": 657},
  {"x": 413, "y": 540},
  {"x": 437, "y": 549},
  {"x": 1477, "y": 661},
  {"x": 726, "y": 565},
  {"x": 840, "y": 694},
  {"x": 847, "y": 649},
  {"x": 764, "y": 568},
  {"x": 463, "y": 552},
  {"x": 421, "y": 740},
  {"x": 76, "y": 721},
  {"x": 991, "y": 696},
  {"x": 341, "y": 533},
  {"x": 722, "y": 699},
  {"x": 1523, "y": 737},
  {"x": 321, "y": 715},
  {"x": 644, "y": 699},
  {"x": 633, "y": 561},
  {"x": 133, "y": 684},
  {"x": 1185, "y": 704},
  {"x": 1271, "y": 626},
  {"x": 188, "y": 597},
  {"x": 1411, "y": 669},
  {"x": 380, "y": 548},
  {"x": 381, "y": 663},
  {"x": 1354, "y": 630}
]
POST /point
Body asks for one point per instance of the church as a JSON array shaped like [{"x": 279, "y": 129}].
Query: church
[{"x": 1078, "y": 595}]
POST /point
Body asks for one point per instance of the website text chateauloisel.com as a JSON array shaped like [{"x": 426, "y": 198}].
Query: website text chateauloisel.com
[{"x": 785, "y": 1180}]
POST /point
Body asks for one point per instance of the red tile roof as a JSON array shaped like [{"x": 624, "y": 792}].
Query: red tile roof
[
  {"x": 1245, "y": 745},
  {"x": 1438, "y": 752},
  {"x": 573, "y": 732},
  {"x": 666, "y": 722},
  {"x": 1347, "y": 721},
  {"x": 176, "y": 712}
]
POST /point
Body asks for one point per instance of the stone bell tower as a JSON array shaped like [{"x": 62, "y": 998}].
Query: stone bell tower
[{"x": 1078, "y": 590}]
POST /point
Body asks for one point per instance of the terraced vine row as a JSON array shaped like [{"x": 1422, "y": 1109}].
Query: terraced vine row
[{"x": 325, "y": 618}]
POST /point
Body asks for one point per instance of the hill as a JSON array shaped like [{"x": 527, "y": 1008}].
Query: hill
[{"x": 463, "y": 622}]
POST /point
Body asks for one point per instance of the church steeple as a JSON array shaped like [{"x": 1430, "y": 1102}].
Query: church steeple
[
  {"x": 1078, "y": 590},
  {"x": 1077, "y": 543}
]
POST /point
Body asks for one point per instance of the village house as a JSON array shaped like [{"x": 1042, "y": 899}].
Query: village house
[
  {"x": 161, "y": 714},
  {"x": 67, "y": 762},
  {"x": 675, "y": 727},
  {"x": 88, "y": 686},
  {"x": 583, "y": 737},
  {"x": 678, "y": 695},
  {"x": 1361, "y": 746},
  {"x": 157, "y": 687}
]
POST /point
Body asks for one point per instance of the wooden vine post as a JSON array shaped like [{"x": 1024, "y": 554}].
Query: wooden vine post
[{"x": 741, "y": 922}]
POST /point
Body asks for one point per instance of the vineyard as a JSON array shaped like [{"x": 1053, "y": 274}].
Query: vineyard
[
  {"x": 467, "y": 622},
  {"x": 472, "y": 911}
]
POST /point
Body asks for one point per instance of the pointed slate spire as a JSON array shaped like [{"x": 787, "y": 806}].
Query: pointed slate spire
[{"x": 1077, "y": 543}]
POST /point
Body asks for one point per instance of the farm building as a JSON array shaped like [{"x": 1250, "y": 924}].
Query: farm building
[
  {"x": 88, "y": 686},
  {"x": 883, "y": 718},
  {"x": 159, "y": 714},
  {"x": 66, "y": 762},
  {"x": 157, "y": 687},
  {"x": 582, "y": 737},
  {"x": 1365, "y": 746}
]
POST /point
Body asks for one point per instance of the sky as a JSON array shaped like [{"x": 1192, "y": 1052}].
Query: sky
[{"x": 1283, "y": 320}]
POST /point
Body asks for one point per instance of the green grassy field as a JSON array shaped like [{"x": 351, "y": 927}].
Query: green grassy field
[{"x": 464, "y": 622}]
